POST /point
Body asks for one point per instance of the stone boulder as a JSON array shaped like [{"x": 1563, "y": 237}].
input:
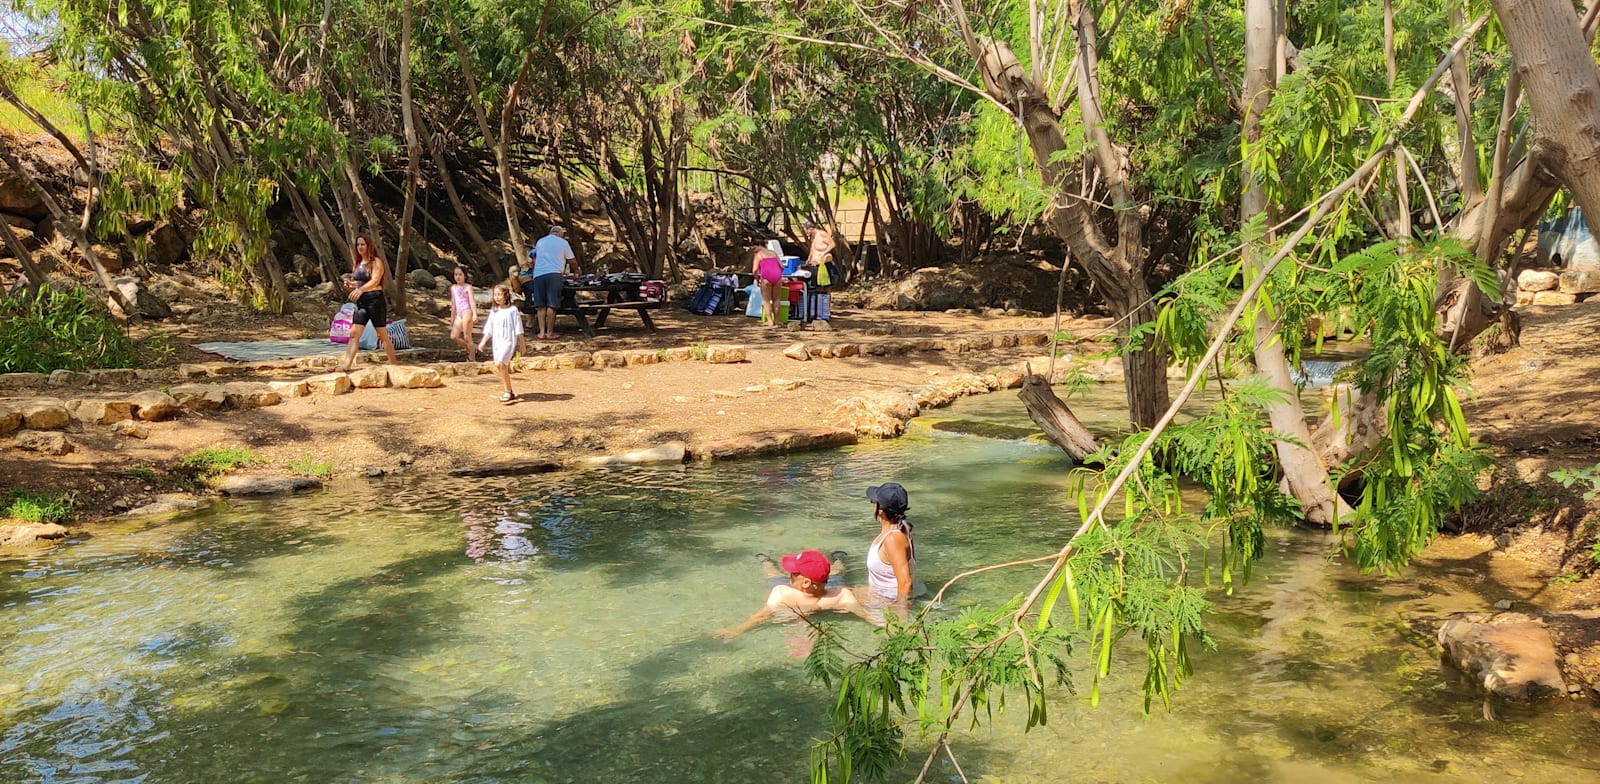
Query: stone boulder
[
  {"x": 17, "y": 198},
  {"x": 330, "y": 384},
  {"x": 1546, "y": 298},
  {"x": 171, "y": 503},
  {"x": 266, "y": 485},
  {"x": 930, "y": 289},
  {"x": 54, "y": 444},
  {"x": 1537, "y": 280},
  {"x": 250, "y": 394},
  {"x": 68, "y": 378},
  {"x": 724, "y": 354},
  {"x": 144, "y": 303},
  {"x": 167, "y": 245},
  {"x": 20, "y": 380},
  {"x": 10, "y": 420},
  {"x": 199, "y": 397},
  {"x": 573, "y": 360},
  {"x": 372, "y": 377},
  {"x": 100, "y": 412},
  {"x": 798, "y": 351},
  {"x": 1509, "y": 654},
  {"x": 607, "y": 359},
  {"x": 290, "y": 388},
  {"x": 153, "y": 405},
  {"x": 408, "y": 377},
  {"x": 875, "y": 414},
  {"x": 1579, "y": 281},
  {"x": 421, "y": 279},
  {"x": 26, "y": 534},
  {"x": 44, "y": 414},
  {"x": 131, "y": 429}
]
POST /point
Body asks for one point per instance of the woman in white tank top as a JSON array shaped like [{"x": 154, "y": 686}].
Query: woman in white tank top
[{"x": 892, "y": 558}]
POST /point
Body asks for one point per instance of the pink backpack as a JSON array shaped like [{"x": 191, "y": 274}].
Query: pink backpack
[{"x": 339, "y": 331}]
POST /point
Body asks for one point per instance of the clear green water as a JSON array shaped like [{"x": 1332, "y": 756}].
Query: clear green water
[{"x": 557, "y": 628}]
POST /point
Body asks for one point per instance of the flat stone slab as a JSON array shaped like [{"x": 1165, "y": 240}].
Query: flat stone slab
[
  {"x": 511, "y": 468},
  {"x": 163, "y": 506},
  {"x": 266, "y": 485},
  {"x": 773, "y": 442},
  {"x": 665, "y": 454}
]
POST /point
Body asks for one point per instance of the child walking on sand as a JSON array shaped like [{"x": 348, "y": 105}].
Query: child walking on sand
[
  {"x": 504, "y": 326},
  {"x": 463, "y": 313}
]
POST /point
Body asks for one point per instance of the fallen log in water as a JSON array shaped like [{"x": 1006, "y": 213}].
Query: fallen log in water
[{"x": 1055, "y": 419}]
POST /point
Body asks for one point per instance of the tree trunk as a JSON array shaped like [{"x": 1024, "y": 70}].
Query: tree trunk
[
  {"x": 30, "y": 269},
  {"x": 1304, "y": 475},
  {"x": 402, "y": 256},
  {"x": 1056, "y": 419},
  {"x": 486, "y": 256},
  {"x": 1563, "y": 88}
]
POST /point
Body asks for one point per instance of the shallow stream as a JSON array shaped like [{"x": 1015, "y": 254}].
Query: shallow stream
[{"x": 557, "y": 628}]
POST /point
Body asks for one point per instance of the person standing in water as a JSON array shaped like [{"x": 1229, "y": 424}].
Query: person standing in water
[
  {"x": 367, "y": 275},
  {"x": 463, "y": 313},
  {"x": 892, "y": 558}
]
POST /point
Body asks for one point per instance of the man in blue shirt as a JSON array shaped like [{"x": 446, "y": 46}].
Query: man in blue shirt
[{"x": 551, "y": 255}]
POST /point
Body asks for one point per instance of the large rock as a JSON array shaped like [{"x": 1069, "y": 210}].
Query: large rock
[
  {"x": 164, "y": 505},
  {"x": 1509, "y": 654},
  {"x": 199, "y": 397},
  {"x": 25, "y": 534},
  {"x": 670, "y": 452},
  {"x": 18, "y": 380},
  {"x": 372, "y": 377},
  {"x": 510, "y": 468},
  {"x": 605, "y": 359},
  {"x": 131, "y": 429},
  {"x": 19, "y": 199},
  {"x": 574, "y": 360},
  {"x": 100, "y": 412},
  {"x": 153, "y": 405},
  {"x": 1580, "y": 281},
  {"x": 44, "y": 414},
  {"x": 167, "y": 245},
  {"x": 875, "y": 414},
  {"x": 10, "y": 419},
  {"x": 266, "y": 485},
  {"x": 797, "y": 351},
  {"x": 44, "y": 443},
  {"x": 144, "y": 303},
  {"x": 772, "y": 442},
  {"x": 929, "y": 289},
  {"x": 408, "y": 377},
  {"x": 724, "y": 354},
  {"x": 68, "y": 378},
  {"x": 290, "y": 388},
  {"x": 331, "y": 384},
  {"x": 1537, "y": 280},
  {"x": 421, "y": 279},
  {"x": 1545, "y": 298},
  {"x": 250, "y": 394}
]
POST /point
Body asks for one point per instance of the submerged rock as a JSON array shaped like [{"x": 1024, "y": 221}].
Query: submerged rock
[
  {"x": 1509, "y": 654},
  {"x": 25, "y": 534},
  {"x": 266, "y": 485}
]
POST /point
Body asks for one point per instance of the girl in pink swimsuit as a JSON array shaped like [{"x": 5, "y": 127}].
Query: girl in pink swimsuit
[
  {"x": 463, "y": 314},
  {"x": 768, "y": 269}
]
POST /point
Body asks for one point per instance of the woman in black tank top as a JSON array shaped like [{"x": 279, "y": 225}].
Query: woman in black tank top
[{"x": 368, "y": 273}]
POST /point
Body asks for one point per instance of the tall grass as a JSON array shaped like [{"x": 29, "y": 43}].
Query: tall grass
[{"x": 35, "y": 91}]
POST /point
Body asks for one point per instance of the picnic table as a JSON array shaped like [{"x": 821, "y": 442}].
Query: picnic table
[{"x": 598, "y": 300}]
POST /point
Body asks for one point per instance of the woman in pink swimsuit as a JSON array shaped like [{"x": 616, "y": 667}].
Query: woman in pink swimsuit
[
  {"x": 463, "y": 314},
  {"x": 768, "y": 269}
]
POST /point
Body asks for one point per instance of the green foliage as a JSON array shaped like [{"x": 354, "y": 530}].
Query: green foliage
[
  {"x": 1430, "y": 463},
  {"x": 51, "y": 329},
  {"x": 1587, "y": 479},
  {"x": 308, "y": 465},
  {"x": 144, "y": 472},
  {"x": 36, "y": 507},
  {"x": 217, "y": 460}
]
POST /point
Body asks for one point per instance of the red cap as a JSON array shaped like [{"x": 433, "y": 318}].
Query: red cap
[{"x": 810, "y": 563}]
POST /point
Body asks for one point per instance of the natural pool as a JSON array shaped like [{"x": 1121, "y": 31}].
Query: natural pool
[{"x": 557, "y": 628}]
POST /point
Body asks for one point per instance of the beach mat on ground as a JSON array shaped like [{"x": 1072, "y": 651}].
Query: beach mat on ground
[{"x": 255, "y": 350}]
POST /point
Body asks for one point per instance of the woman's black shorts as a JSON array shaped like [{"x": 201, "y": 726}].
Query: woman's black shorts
[{"x": 372, "y": 307}]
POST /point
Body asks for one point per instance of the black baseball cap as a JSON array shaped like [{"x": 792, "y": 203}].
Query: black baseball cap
[{"x": 889, "y": 496}]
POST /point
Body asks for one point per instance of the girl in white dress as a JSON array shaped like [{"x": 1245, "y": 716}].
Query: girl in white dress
[{"x": 504, "y": 327}]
